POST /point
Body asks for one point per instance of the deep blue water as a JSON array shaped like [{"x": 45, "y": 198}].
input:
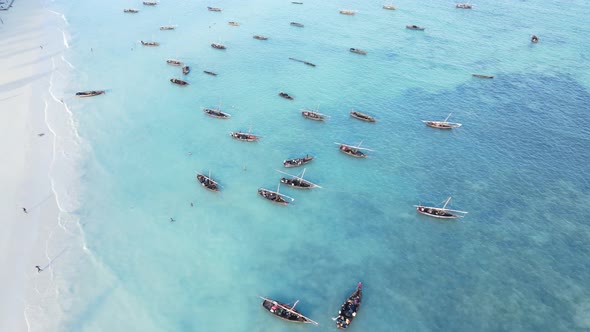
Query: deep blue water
[{"x": 519, "y": 165}]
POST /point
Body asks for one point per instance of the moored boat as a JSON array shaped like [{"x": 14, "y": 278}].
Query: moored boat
[
  {"x": 168, "y": 27},
  {"x": 442, "y": 124},
  {"x": 286, "y": 95},
  {"x": 414, "y": 27},
  {"x": 232, "y": 23},
  {"x": 285, "y": 311},
  {"x": 313, "y": 115},
  {"x": 216, "y": 112},
  {"x": 298, "y": 181},
  {"x": 390, "y": 7},
  {"x": 347, "y": 12},
  {"x": 131, "y": 11},
  {"x": 534, "y": 39},
  {"x": 246, "y": 137},
  {"x": 209, "y": 73},
  {"x": 91, "y": 93},
  {"x": 362, "y": 116},
  {"x": 352, "y": 150},
  {"x": 297, "y": 161},
  {"x": 358, "y": 51},
  {"x": 297, "y": 2},
  {"x": 481, "y": 76},
  {"x": 275, "y": 196},
  {"x": 186, "y": 70},
  {"x": 259, "y": 37},
  {"x": 218, "y": 46},
  {"x": 149, "y": 43},
  {"x": 436, "y": 212},
  {"x": 214, "y": 9},
  {"x": 349, "y": 308},
  {"x": 178, "y": 81},
  {"x": 174, "y": 62},
  {"x": 207, "y": 182},
  {"x": 150, "y": 3},
  {"x": 464, "y": 6},
  {"x": 295, "y": 24}
]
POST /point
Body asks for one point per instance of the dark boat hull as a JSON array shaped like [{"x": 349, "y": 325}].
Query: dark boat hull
[
  {"x": 313, "y": 116},
  {"x": 281, "y": 313},
  {"x": 207, "y": 182},
  {"x": 349, "y": 308},
  {"x": 216, "y": 113},
  {"x": 436, "y": 213},
  {"x": 352, "y": 152},
  {"x": 90, "y": 93},
  {"x": 244, "y": 137},
  {"x": 178, "y": 81},
  {"x": 362, "y": 117},
  {"x": 297, "y": 162},
  {"x": 286, "y": 95},
  {"x": 272, "y": 196},
  {"x": 297, "y": 183}
]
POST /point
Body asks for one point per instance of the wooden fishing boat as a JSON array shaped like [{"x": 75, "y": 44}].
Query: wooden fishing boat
[
  {"x": 464, "y": 6},
  {"x": 414, "y": 27},
  {"x": 437, "y": 212},
  {"x": 207, "y": 182},
  {"x": 214, "y": 9},
  {"x": 259, "y": 37},
  {"x": 313, "y": 115},
  {"x": 186, "y": 70},
  {"x": 297, "y": 161},
  {"x": 362, "y": 116},
  {"x": 150, "y": 3},
  {"x": 174, "y": 62},
  {"x": 350, "y": 308},
  {"x": 302, "y": 61},
  {"x": 218, "y": 46},
  {"x": 246, "y": 137},
  {"x": 347, "y": 12},
  {"x": 178, "y": 81},
  {"x": 91, "y": 93},
  {"x": 534, "y": 39},
  {"x": 285, "y": 311},
  {"x": 286, "y": 95},
  {"x": 232, "y": 23},
  {"x": 216, "y": 112},
  {"x": 442, "y": 124},
  {"x": 481, "y": 76},
  {"x": 168, "y": 27},
  {"x": 357, "y": 51},
  {"x": 149, "y": 43},
  {"x": 297, "y": 2},
  {"x": 209, "y": 73},
  {"x": 298, "y": 181},
  {"x": 275, "y": 196},
  {"x": 131, "y": 11},
  {"x": 353, "y": 151},
  {"x": 390, "y": 7},
  {"x": 295, "y": 24}
]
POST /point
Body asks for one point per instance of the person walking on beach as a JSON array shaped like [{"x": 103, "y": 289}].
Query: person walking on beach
[
  {"x": 25, "y": 210},
  {"x": 39, "y": 269}
]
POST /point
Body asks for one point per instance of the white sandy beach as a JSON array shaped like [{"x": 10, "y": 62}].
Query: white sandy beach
[{"x": 33, "y": 125}]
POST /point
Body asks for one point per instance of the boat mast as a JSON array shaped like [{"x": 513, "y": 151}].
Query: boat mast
[
  {"x": 447, "y": 117},
  {"x": 447, "y": 201}
]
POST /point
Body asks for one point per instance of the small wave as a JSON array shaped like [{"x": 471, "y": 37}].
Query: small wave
[
  {"x": 63, "y": 17},
  {"x": 65, "y": 39},
  {"x": 67, "y": 62}
]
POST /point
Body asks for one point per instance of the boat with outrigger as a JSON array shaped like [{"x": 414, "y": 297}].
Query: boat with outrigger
[
  {"x": 349, "y": 308},
  {"x": 90, "y": 93},
  {"x": 442, "y": 124},
  {"x": 314, "y": 115},
  {"x": 353, "y": 150},
  {"x": 275, "y": 196},
  {"x": 362, "y": 116},
  {"x": 437, "y": 212},
  {"x": 216, "y": 112},
  {"x": 178, "y": 81},
  {"x": 285, "y": 311},
  {"x": 297, "y": 181},
  {"x": 207, "y": 182},
  {"x": 297, "y": 161}
]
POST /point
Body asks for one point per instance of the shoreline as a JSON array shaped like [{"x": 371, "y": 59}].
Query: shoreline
[{"x": 42, "y": 136}]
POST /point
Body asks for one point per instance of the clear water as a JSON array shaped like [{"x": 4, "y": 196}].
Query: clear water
[{"x": 519, "y": 164}]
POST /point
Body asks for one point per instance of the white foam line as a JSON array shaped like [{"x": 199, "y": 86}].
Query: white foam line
[
  {"x": 69, "y": 64},
  {"x": 63, "y": 17},
  {"x": 63, "y": 33}
]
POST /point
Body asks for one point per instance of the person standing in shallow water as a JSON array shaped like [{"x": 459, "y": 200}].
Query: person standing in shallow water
[
  {"x": 25, "y": 210},
  {"x": 39, "y": 269}
]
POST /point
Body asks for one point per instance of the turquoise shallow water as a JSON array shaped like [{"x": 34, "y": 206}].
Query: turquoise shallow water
[{"x": 517, "y": 261}]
